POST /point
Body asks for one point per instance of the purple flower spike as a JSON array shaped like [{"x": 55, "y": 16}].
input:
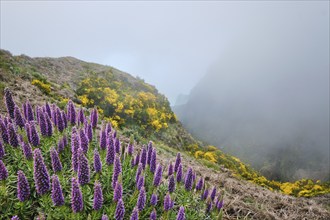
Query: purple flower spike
[
  {"x": 153, "y": 200},
  {"x": 83, "y": 168},
  {"x": 49, "y": 126},
  {"x": 2, "y": 151},
  {"x": 40, "y": 173},
  {"x": 114, "y": 135},
  {"x": 48, "y": 110},
  {"x": 150, "y": 149},
  {"x": 60, "y": 145},
  {"x": 97, "y": 162},
  {"x": 181, "y": 215},
  {"x": 59, "y": 119},
  {"x": 3, "y": 171},
  {"x": 74, "y": 150},
  {"x": 118, "y": 192},
  {"x": 42, "y": 123},
  {"x": 153, "y": 215},
  {"x": 29, "y": 111},
  {"x": 23, "y": 187},
  {"x": 15, "y": 217},
  {"x": 120, "y": 210},
  {"x": 56, "y": 163},
  {"x": 213, "y": 193},
  {"x": 94, "y": 118},
  {"x": 220, "y": 205},
  {"x": 130, "y": 149},
  {"x": 110, "y": 157},
  {"x": 4, "y": 132},
  {"x": 141, "y": 202},
  {"x": 171, "y": 184},
  {"x": 188, "y": 182},
  {"x": 13, "y": 139},
  {"x": 153, "y": 161},
  {"x": 81, "y": 116},
  {"x": 89, "y": 132},
  {"x": 77, "y": 204},
  {"x": 72, "y": 113},
  {"x": 170, "y": 170},
  {"x": 116, "y": 171},
  {"x": 98, "y": 196},
  {"x": 65, "y": 119},
  {"x": 168, "y": 203},
  {"x": 138, "y": 172},
  {"x": 104, "y": 217},
  {"x": 35, "y": 140},
  {"x": 28, "y": 132},
  {"x": 137, "y": 159},
  {"x": 83, "y": 141},
  {"x": 158, "y": 175},
  {"x": 205, "y": 194},
  {"x": 10, "y": 104},
  {"x": 209, "y": 207},
  {"x": 27, "y": 150},
  {"x": 57, "y": 194},
  {"x": 140, "y": 183},
  {"x": 177, "y": 162},
  {"x": 117, "y": 145},
  {"x": 18, "y": 117},
  {"x": 108, "y": 128},
  {"x": 200, "y": 184},
  {"x": 135, "y": 214},
  {"x": 179, "y": 174},
  {"x": 103, "y": 139},
  {"x": 143, "y": 158}
]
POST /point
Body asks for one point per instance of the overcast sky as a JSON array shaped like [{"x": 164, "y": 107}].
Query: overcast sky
[{"x": 169, "y": 44}]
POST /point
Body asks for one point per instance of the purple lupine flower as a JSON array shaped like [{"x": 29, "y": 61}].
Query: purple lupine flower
[
  {"x": 220, "y": 204},
  {"x": 213, "y": 193},
  {"x": 27, "y": 150},
  {"x": 153, "y": 200},
  {"x": 135, "y": 214},
  {"x": 42, "y": 123},
  {"x": 104, "y": 217},
  {"x": 94, "y": 118},
  {"x": 137, "y": 159},
  {"x": 181, "y": 215},
  {"x": 40, "y": 173},
  {"x": 103, "y": 139},
  {"x": 57, "y": 194},
  {"x": 149, "y": 154},
  {"x": 15, "y": 217},
  {"x": 60, "y": 121},
  {"x": 13, "y": 139},
  {"x": 188, "y": 182},
  {"x": 120, "y": 210},
  {"x": 171, "y": 184},
  {"x": 4, "y": 132},
  {"x": 205, "y": 194},
  {"x": 138, "y": 172},
  {"x": 56, "y": 162},
  {"x": 97, "y": 162},
  {"x": 10, "y": 104},
  {"x": 170, "y": 170},
  {"x": 23, "y": 187},
  {"x": 158, "y": 175},
  {"x": 168, "y": 203},
  {"x": 130, "y": 149},
  {"x": 117, "y": 145},
  {"x": 2, "y": 151},
  {"x": 35, "y": 140},
  {"x": 98, "y": 196},
  {"x": 72, "y": 113},
  {"x": 177, "y": 162},
  {"x": 209, "y": 207},
  {"x": 89, "y": 132},
  {"x": 81, "y": 116},
  {"x": 143, "y": 158},
  {"x": 141, "y": 202},
  {"x": 153, "y": 161},
  {"x": 179, "y": 174},
  {"x": 83, "y": 168},
  {"x": 116, "y": 171},
  {"x": 200, "y": 184},
  {"x": 108, "y": 128},
  {"x": 48, "y": 110},
  {"x": 118, "y": 192},
  {"x": 60, "y": 145},
  {"x": 114, "y": 135},
  {"x": 3, "y": 171},
  {"x": 29, "y": 111},
  {"x": 28, "y": 132},
  {"x": 49, "y": 126},
  {"x": 110, "y": 157},
  {"x": 153, "y": 215},
  {"x": 77, "y": 203},
  {"x": 140, "y": 183},
  {"x": 74, "y": 150},
  {"x": 65, "y": 120},
  {"x": 83, "y": 141},
  {"x": 18, "y": 117}
]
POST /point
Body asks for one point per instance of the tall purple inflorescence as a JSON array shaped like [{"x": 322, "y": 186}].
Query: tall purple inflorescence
[
  {"x": 49, "y": 126},
  {"x": 27, "y": 150},
  {"x": 188, "y": 182},
  {"x": 59, "y": 119},
  {"x": 42, "y": 123},
  {"x": 116, "y": 171},
  {"x": 118, "y": 192},
  {"x": 19, "y": 120},
  {"x": 168, "y": 203},
  {"x": 179, "y": 174},
  {"x": 135, "y": 214},
  {"x": 97, "y": 162},
  {"x": 130, "y": 149},
  {"x": 83, "y": 141},
  {"x": 98, "y": 196},
  {"x": 209, "y": 207},
  {"x": 56, "y": 163},
  {"x": 141, "y": 202},
  {"x": 60, "y": 145},
  {"x": 74, "y": 150},
  {"x": 149, "y": 153},
  {"x": 153, "y": 200},
  {"x": 83, "y": 168},
  {"x": 57, "y": 194},
  {"x": 94, "y": 118},
  {"x": 89, "y": 131},
  {"x": 143, "y": 158},
  {"x": 103, "y": 139},
  {"x": 3, "y": 171},
  {"x": 171, "y": 184},
  {"x": 65, "y": 119},
  {"x": 205, "y": 194},
  {"x": 170, "y": 170},
  {"x": 153, "y": 161},
  {"x": 23, "y": 187},
  {"x": 140, "y": 183},
  {"x": 72, "y": 115},
  {"x": 77, "y": 204},
  {"x": 181, "y": 215},
  {"x": 29, "y": 112},
  {"x": 153, "y": 215},
  {"x": 4, "y": 132},
  {"x": 158, "y": 175},
  {"x": 117, "y": 145},
  {"x": 35, "y": 140},
  {"x": 177, "y": 162},
  {"x": 2, "y": 151},
  {"x": 213, "y": 193},
  {"x": 137, "y": 159},
  {"x": 120, "y": 210},
  {"x": 10, "y": 104},
  {"x": 81, "y": 116},
  {"x": 40, "y": 173},
  {"x": 13, "y": 139},
  {"x": 200, "y": 184},
  {"x": 110, "y": 157},
  {"x": 138, "y": 172}
]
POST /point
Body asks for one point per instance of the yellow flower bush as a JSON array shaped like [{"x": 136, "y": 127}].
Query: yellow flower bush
[{"x": 44, "y": 87}]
